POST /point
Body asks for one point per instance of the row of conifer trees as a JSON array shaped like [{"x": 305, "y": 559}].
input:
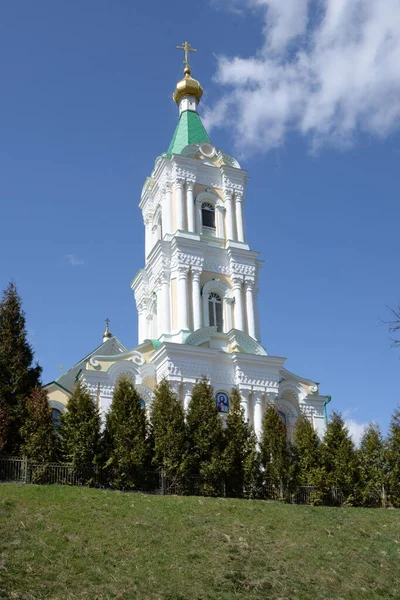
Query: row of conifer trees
[
  {"x": 184, "y": 447},
  {"x": 125, "y": 452}
]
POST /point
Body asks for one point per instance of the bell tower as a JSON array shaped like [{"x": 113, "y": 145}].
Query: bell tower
[
  {"x": 196, "y": 295},
  {"x": 199, "y": 270}
]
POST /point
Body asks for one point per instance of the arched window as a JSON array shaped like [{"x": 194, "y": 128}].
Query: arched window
[
  {"x": 208, "y": 218},
  {"x": 282, "y": 416},
  {"x": 55, "y": 415},
  {"x": 215, "y": 311}
]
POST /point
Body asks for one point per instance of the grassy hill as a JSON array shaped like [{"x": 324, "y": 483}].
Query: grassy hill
[{"x": 64, "y": 543}]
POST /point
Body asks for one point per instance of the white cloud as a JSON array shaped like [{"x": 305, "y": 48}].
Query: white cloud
[
  {"x": 74, "y": 260},
  {"x": 328, "y": 69},
  {"x": 356, "y": 430}
]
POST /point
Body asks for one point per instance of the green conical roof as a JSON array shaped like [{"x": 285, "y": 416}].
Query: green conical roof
[{"x": 190, "y": 130}]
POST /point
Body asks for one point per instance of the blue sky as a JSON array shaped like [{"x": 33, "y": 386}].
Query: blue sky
[{"x": 85, "y": 108}]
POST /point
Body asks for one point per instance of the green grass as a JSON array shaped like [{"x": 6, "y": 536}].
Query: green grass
[{"x": 64, "y": 543}]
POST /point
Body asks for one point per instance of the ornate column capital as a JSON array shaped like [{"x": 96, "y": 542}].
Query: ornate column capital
[
  {"x": 183, "y": 271},
  {"x": 237, "y": 281},
  {"x": 228, "y": 194},
  {"x": 164, "y": 276},
  {"x": 249, "y": 283},
  {"x": 239, "y": 196},
  {"x": 190, "y": 184},
  {"x": 196, "y": 273},
  {"x": 179, "y": 182}
]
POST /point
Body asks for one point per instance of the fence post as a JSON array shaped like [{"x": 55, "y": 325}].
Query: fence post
[
  {"x": 163, "y": 486},
  {"x": 25, "y": 478}
]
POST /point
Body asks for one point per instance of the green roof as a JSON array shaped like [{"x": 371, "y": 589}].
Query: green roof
[{"x": 190, "y": 130}]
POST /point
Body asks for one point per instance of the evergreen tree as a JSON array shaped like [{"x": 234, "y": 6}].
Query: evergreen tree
[
  {"x": 252, "y": 474},
  {"x": 18, "y": 376},
  {"x": 275, "y": 452},
  {"x": 40, "y": 441},
  {"x": 392, "y": 458},
  {"x": 4, "y": 425},
  {"x": 308, "y": 458},
  {"x": 205, "y": 438},
  {"x": 339, "y": 459},
  {"x": 168, "y": 430},
  {"x": 238, "y": 456},
  {"x": 126, "y": 433},
  {"x": 372, "y": 467},
  {"x": 80, "y": 432}
]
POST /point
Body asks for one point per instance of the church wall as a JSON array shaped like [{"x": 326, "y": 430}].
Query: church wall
[{"x": 58, "y": 395}]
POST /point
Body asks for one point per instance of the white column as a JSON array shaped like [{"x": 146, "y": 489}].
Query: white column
[
  {"x": 251, "y": 321},
  {"x": 229, "y": 215},
  {"x": 148, "y": 237},
  {"x": 158, "y": 322},
  {"x": 165, "y": 304},
  {"x": 180, "y": 205},
  {"x": 220, "y": 221},
  {"x": 239, "y": 217},
  {"x": 228, "y": 314},
  {"x": 183, "y": 305},
  {"x": 258, "y": 414},
  {"x": 199, "y": 224},
  {"x": 196, "y": 298},
  {"x": 187, "y": 395},
  {"x": 190, "y": 206},
  {"x": 167, "y": 210},
  {"x": 237, "y": 294},
  {"x": 175, "y": 387},
  {"x": 244, "y": 403}
]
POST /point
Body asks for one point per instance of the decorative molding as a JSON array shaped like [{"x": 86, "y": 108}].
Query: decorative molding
[
  {"x": 216, "y": 268},
  {"x": 255, "y": 378},
  {"x": 191, "y": 370},
  {"x": 232, "y": 185},
  {"x": 243, "y": 269},
  {"x": 130, "y": 355},
  {"x": 247, "y": 343},
  {"x": 186, "y": 259},
  {"x": 200, "y": 336},
  {"x": 227, "y": 159},
  {"x": 215, "y": 285},
  {"x": 179, "y": 173}
]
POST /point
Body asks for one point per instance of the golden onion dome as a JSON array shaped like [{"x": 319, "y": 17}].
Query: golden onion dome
[{"x": 187, "y": 87}]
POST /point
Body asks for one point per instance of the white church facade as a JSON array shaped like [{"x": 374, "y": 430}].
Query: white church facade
[{"x": 197, "y": 294}]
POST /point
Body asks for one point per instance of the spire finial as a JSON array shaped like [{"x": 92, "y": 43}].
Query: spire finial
[
  {"x": 107, "y": 334},
  {"x": 186, "y": 47},
  {"x": 187, "y": 86}
]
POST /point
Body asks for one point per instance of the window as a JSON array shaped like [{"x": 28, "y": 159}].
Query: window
[
  {"x": 215, "y": 311},
  {"x": 55, "y": 415},
  {"x": 208, "y": 216},
  {"x": 282, "y": 416}
]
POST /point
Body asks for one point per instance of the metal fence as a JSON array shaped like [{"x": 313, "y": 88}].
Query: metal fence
[{"x": 22, "y": 470}]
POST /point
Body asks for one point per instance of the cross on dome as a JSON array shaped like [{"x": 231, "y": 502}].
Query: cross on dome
[
  {"x": 186, "y": 47},
  {"x": 107, "y": 334}
]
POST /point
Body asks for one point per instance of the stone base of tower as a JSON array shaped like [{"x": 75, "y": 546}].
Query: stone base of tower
[{"x": 260, "y": 378}]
